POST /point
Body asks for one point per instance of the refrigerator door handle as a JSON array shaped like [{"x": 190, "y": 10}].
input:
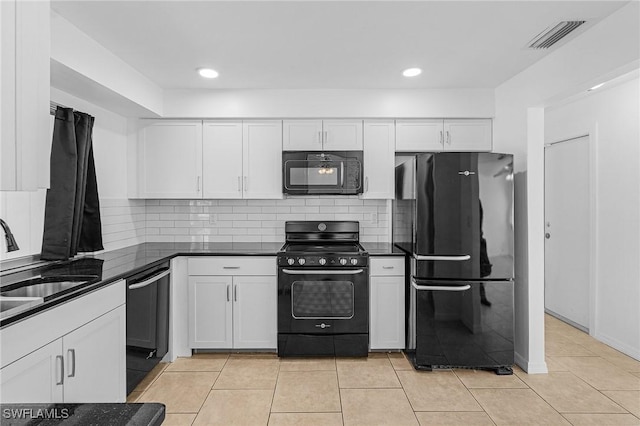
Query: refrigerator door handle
[
  {"x": 459, "y": 258},
  {"x": 415, "y": 285}
]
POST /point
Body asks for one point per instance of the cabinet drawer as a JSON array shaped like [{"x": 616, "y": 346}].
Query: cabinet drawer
[
  {"x": 387, "y": 266},
  {"x": 233, "y": 265}
]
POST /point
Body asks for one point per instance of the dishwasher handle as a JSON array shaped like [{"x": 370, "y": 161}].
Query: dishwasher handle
[{"x": 149, "y": 280}]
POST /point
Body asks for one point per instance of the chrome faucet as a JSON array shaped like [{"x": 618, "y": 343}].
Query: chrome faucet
[{"x": 11, "y": 241}]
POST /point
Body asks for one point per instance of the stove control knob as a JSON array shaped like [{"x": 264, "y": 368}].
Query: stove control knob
[
  {"x": 354, "y": 261},
  {"x": 343, "y": 261},
  {"x": 301, "y": 261},
  {"x": 291, "y": 261},
  {"x": 322, "y": 261}
]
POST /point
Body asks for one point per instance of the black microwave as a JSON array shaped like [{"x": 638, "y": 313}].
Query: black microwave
[{"x": 322, "y": 173}]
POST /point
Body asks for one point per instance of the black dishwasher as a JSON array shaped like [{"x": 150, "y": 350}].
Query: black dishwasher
[{"x": 147, "y": 322}]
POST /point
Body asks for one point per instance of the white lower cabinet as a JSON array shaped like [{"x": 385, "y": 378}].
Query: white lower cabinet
[
  {"x": 72, "y": 353},
  {"x": 233, "y": 311},
  {"x": 386, "y": 303}
]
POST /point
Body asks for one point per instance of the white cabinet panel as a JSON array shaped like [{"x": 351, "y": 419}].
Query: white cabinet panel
[
  {"x": 467, "y": 135},
  {"x": 319, "y": 135},
  {"x": 232, "y": 265},
  {"x": 210, "y": 312},
  {"x": 255, "y": 312},
  {"x": 379, "y": 154},
  {"x": 342, "y": 135},
  {"x": 37, "y": 377},
  {"x": 419, "y": 135},
  {"x": 387, "y": 303},
  {"x": 170, "y": 159},
  {"x": 222, "y": 159},
  {"x": 25, "y": 140},
  {"x": 302, "y": 135},
  {"x": 94, "y": 354},
  {"x": 262, "y": 159}
]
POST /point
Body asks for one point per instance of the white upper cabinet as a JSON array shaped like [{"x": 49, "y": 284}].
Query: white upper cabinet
[
  {"x": 262, "y": 159},
  {"x": 24, "y": 84},
  {"x": 443, "y": 135},
  {"x": 222, "y": 159},
  {"x": 322, "y": 135},
  {"x": 379, "y": 153},
  {"x": 170, "y": 159},
  {"x": 467, "y": 135}
]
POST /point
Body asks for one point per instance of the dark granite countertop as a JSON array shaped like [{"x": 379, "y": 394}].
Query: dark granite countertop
[
  {"x": 151, "y": 414},
  {"x": 382, "y": 249}
]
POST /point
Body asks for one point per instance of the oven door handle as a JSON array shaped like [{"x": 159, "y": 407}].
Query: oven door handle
[
  {"x": 324, "y": 272},
  {"x": 415, "y": 285},
  {"x": 150, "y": 280}
]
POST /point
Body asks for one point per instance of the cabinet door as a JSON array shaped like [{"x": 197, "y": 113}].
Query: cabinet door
[
  {"x": 379, "y": 154},
  {"x": 95, "y": 364},
  {"x": 170, "y": 159},
  {"x": 262, "y": 153},
  {"x": 255, "y": 312},
  {"x": 210, "y": 312},
  {"x": 467, "y": 135},
  {"x": 37, "y": 377},
  {"x": 387, "y": 312},
  {"x": 342, "y": 135},
  {"x": 419, "y": 135},
  {"x": 302, "y": 135},
  {"x": 222, "y": 159},
  {"x": 24, "y": 83}
]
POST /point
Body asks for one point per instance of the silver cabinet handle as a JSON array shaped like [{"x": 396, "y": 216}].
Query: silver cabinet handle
[
  {"x": 451, "y": 258},
  {"x": 326, "y": 136},
  {"x": 246, "y": 186},
  {"x": 230, "y": 267},
  {"x": 415, "y": 285},
  {"x": 387, "y": 267},
  {"x": 366, "y": 184},
  {"x": 235, "y": 293},
  {"x": 320, "y": 137},
  {"x": 448, "y": 137},
  {"x": 228, "y": 292},
  {"x": 198, "y": 184},
  {"x": 150, "y": 280},
  {"x": 323, "y": 272},
  {"x": 71, "y": 357},
  {"x": 441, "y": 138},
  {"x": 239, "y": 184},
  {"x": 60, "y": 363}
]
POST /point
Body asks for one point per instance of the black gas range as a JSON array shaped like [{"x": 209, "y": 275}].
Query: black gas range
[{"x": 323, "y": 290}]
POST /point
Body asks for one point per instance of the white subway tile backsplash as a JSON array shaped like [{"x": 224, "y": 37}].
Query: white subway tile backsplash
[{"x": 260, "y": 220}]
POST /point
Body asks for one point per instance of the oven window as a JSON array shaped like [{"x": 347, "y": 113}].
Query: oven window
[{"x": 322, "y": 299}]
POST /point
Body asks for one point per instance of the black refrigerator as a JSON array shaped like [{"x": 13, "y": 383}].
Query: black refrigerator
[{"x": 453, "y": 215}]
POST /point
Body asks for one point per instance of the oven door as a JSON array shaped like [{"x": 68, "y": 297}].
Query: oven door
[
  {"x": 318, "y": 173},
  {"x": 323, "y": 301}
]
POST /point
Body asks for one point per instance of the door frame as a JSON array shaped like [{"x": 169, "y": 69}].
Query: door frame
[{"x": 592, "y": 141}]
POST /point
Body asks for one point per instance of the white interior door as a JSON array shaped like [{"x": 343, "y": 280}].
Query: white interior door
[{"x": 567, "y": 230}]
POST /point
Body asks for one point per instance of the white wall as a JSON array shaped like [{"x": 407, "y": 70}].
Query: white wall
[
  {"x": 610, "y": 116},
  {"x": 610, "y": 48},
  {"x": 452, "y": 103}
]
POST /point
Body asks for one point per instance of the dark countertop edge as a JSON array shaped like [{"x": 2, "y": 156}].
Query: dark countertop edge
[{"x": 150, "y": 413}]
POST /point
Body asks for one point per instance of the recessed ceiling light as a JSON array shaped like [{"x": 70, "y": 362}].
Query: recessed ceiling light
[
  {"x": 597, "y": 86},
  {"x": 207, "y": 72},
  {"x": 412, "y": 72}
]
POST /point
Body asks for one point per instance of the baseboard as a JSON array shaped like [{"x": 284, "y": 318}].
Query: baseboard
[
  {"x": 619, "y": 346},
  {"x": 531, "y": 367}
]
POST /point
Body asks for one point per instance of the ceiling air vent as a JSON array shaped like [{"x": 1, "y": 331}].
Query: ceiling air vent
[{"x": 553, "y": 34}]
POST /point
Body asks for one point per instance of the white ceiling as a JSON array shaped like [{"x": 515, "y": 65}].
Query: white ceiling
[{"x": 326, "y": 44}]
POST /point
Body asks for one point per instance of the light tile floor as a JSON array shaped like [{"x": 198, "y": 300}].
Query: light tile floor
[{"x": 588, "y": 383}]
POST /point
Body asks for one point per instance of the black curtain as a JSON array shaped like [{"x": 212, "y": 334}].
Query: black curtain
[{"x": 72, "y": 210}]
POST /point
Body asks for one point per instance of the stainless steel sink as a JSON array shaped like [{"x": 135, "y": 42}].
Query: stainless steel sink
[{"x": 45, "y": 288}]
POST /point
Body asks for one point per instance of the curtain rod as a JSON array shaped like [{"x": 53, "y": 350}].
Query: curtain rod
[{"x": 53, "y": 106}]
